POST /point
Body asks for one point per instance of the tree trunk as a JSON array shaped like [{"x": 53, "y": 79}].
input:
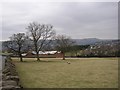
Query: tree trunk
[
  {"x": 38, "y": 59},
  {"x": 21, "y": 59},
  {"x": 37, "y": 52},
  {"x": 63, "y": 56}
]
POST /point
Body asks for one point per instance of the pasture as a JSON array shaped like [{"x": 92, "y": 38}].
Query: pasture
[{"x": 56, "y": 73}]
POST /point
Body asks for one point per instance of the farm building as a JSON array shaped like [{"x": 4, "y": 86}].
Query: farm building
[{"x": 43, "y": 54}]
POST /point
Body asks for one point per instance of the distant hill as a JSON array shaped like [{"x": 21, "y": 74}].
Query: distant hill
[
  {"x": 103, "y": 48},
  {"x": 87, "y": 41}
]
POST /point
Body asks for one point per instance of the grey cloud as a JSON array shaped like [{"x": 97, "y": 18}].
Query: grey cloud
[{"x": 79, "y": 20}]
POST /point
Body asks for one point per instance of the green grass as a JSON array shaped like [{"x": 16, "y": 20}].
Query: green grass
[{"x": 56, "y": 73}]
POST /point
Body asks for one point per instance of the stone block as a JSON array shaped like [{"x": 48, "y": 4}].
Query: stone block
[
  {"x": 10, "y": 87},
  {"x": 9, "y": 82},
  {"x": 14, "y": 78}
]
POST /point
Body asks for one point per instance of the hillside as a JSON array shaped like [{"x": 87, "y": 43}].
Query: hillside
[
  {"x": 87, "y": 41},
  {"x": 103, "y": 48}
]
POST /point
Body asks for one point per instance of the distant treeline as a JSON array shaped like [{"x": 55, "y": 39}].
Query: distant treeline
[{"x": 109, "y": 49}]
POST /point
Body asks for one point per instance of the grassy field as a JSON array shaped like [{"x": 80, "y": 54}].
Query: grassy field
[{"x": 80, "y": 73}]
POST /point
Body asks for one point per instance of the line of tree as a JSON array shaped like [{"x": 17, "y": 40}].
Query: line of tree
[
  {"x": 41, "y": 36},
  {"x": 75, "y": 49}
]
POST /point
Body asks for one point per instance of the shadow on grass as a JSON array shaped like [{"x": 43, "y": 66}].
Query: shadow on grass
[
  {"x": 42, "y": 60},
  {"x": 35, "y": 61}
]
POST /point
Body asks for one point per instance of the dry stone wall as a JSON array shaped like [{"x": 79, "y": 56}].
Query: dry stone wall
[{"x": 10, "y": 79}]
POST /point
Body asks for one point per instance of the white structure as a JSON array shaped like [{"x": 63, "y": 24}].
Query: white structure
[
  {"x": 42, "y": 52},
  {"x": 46, "y": 52}
]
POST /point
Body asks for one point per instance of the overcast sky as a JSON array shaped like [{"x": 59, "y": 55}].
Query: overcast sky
[{"x": 75, "y": 19}]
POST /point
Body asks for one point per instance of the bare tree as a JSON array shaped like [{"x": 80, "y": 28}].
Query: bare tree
[
  {"x": 63, "y": 44},
  {"x": 16, "y": 44},
  {"x": 41, "y": 35}
]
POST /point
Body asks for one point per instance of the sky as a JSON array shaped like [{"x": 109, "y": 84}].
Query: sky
[{"x": 75, "y": 19}]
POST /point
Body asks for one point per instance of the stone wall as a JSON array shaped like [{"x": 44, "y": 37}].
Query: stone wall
[{"x": 10, "y": 79}]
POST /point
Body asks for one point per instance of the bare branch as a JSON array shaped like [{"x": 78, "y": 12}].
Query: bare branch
[
  {"x": 16, "y": 43},
  {"x": 40, "y": 34}
]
